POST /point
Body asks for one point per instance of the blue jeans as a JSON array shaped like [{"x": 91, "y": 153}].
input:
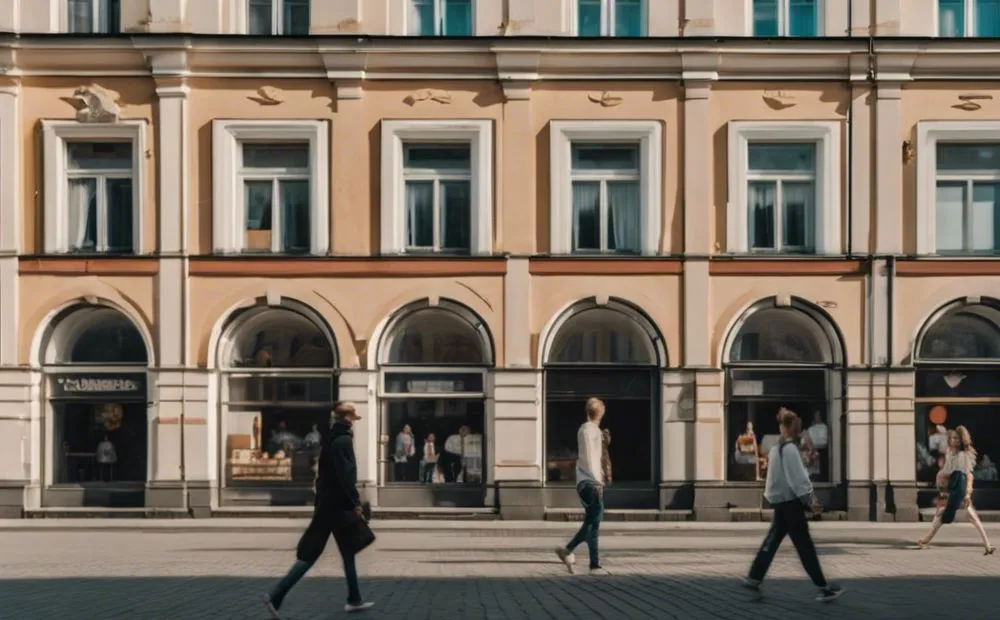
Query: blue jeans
[
  {"x": 593, "y": 505},
  {"x": 789, "y": 520}
]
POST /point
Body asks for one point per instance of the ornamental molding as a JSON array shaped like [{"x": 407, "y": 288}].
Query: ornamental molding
[
  {"x": 267, "y": 96},
  {"x": 95, "y": 104},
  {"x": 428, "y": 95}
]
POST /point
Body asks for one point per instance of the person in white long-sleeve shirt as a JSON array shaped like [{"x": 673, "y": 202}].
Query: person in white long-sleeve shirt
[
  {"x": 790, "y": 494},
  {"x": 589, "y": 486}
]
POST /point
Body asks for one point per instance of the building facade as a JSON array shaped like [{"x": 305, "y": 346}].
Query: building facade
[{"x": 219, "y": 217}]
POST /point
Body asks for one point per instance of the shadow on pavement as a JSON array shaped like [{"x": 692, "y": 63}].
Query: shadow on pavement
[{"x": 578, "y": 597}]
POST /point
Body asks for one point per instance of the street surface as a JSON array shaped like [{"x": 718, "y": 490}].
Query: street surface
[{"x": 494, "y": 572}]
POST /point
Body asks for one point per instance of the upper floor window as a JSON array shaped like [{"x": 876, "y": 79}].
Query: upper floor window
[
  {"x": 437, "y": 188},
  {"x": 270, "y": 187},
  {"x": 784, "y": 187},
  {"x": 785, "y": 18},
  {"x": 610, "y": 18},
  {"x": 451, "y": 18},
  {"x": 969, "y": 18},
  {"x": 94, "y": 16},
  {"x": 967, "y": 197},
  {"x": 606, "y": 183},
  {"x": 278, "y": 17}
]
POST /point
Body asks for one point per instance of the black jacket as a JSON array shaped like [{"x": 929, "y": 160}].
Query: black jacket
[{"x": 337, "y": 480}]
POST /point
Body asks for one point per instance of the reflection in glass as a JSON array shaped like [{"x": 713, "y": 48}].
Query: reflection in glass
[
  {"x": 433, "y": 336},
  {"x": 781, "y": 335},
  {"x": 99, "y": 443},
  {"x": 435, "y": 441},
  {"x": 966, "y": 334},
  {"x": 601, "y": 336},
  {"x": 280, "y": 338},
  {"x": 102, "y": 336}
]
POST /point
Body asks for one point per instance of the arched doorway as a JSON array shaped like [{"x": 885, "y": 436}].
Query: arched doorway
[
  {"x": 433, "y": 372},
  {"x": 613, "y": 352},
  {"x": 95, "y": 362},
  {"x": 957, "y": 359},
  {"x": 790, "y": 356},
  {"x": 278, "y": 385}
]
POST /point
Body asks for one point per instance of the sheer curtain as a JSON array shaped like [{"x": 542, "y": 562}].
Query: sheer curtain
[
  {"x": 796, "y": 214},
  {"x": 419, "y": 214},
  {"x": 457, "y": 18},
  {"x": 988, "y": 18},
  {"x": 761, "y": 218},
  {"x": 456, "y": 225},
  {"x": 628, "y": 18},
  {"x": 802, "y": 18},
  {"x": 625, "y": 219},
  {"x": 586, "y": 216},
  {"x": 950, "y": 223},
  {"x": 295, "y": 216},
  {"x": 82, "y": 202},
  {"x": 951, "y": 18},
  {"x": 420, "y": 18}
]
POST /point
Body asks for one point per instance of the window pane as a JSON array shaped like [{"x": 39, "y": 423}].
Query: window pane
[
  {"x": 110, "y": 16},
  {"x": 259, "y": 202},
  {"x": 988, "y": 18},
  {"x": 588, "y": 18},
  {"x": 950, "y": 223},
  {"x": 586, "y": 216},
  {"x": 457, "y": 18},
  {"x": 782, "y": 157},
  {"x": 421, "y": 18},
  {"x": 456, "y": 226},
  {"x": 82, "y": 202},
  {"x": 802, "y": 18},
  {"x": 761, "y": 196},
  {"x": 797, "y": 214},
  {"x": 99, "y": 155},
  {"x": 420, "y": 214},
  {"x": 968, "y": 156},
  {"x": 280, "y": 155},
  {"x": 765, "y": 18},
  {"x": 984, "y": 221},
  {"x": 951, "y": 18},
  {"x": 453, "y": 157},
  {"x": 120, "y": 213},
  {"x": 625, "y": 222},
  {"x": 259, "y": 17},
  {"x": 605, "y": 157},
  {"x": 295, "y": 216},
  {"x": 628, "y": 18},
  {"x": 81, "y": 16},
  {"x": 295, "y": 17}
]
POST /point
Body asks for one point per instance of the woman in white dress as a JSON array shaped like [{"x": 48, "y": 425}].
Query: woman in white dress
[{"x": 955, "y": 482}]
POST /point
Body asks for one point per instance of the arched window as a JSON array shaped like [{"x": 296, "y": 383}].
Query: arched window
[
  {"x": 782, "y": 335},
  {"x": 277, "y": 338},
  {"x": 966, "y": 334},
  {"x": 438, "y": 337},
  {"x": 95, "y": 335},
  {"x": 602, "y": 336}
]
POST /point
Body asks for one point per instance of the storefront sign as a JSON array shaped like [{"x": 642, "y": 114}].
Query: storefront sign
[
  {"x": 748, "y": 388},
  {"x": 434, "y": 387},
  {"x": 107, "y": 387}
]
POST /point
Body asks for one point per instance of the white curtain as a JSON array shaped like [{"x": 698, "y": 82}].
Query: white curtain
[
  {"x": 950, "y": 225},
  {"x": 81, "y": 15},
  {"x": 625, "y": 219},
  {"x": 82, "y": 206},
  {"x": 586, "y": 216},
  {"x": 761, "y": 217},
  {"x": 419, "y": 215},
  {"x": 420, "y": 18}
]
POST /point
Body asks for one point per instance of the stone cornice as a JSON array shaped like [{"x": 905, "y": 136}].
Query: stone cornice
[{"x": 516, "y": 62}]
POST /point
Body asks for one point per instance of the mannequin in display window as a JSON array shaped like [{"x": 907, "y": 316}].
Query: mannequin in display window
[
  {"x": 747, "y": 451},
  {"x": 313, "y": 439},
  {"x": 404, "y": 451},
  {"x": 255, "y": 435},
  {"x": 819, "y": 436},
  {"x": 454, "y": 450},
  {"x": 106, "y": 458},
  {"x": 428, "y": 464}
]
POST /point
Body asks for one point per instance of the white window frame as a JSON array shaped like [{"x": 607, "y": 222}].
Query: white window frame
[
  {"x": 96, "y": 14},
  {"x": 929, "y": 133},
  {"x": 779, "y": 179},
  {"x": 55, "y": 135},
  {"x": 969, "y": 24},
  {"x": 479, "y": 135},
  {"x": 438, "y": 18},
  {"x": 607, "y": 17},
  {"x": 274, "y": 176},
  {"x": 603, "y": 177},
  {"x": 827, "y": 218},
  {"x": 649, "y": 137},
  {"x": 783, "y": 11},
  {"x": 242, "y": 17},
  {"x": 436, "y": 177},
  {"x": 228, "y": 207}
]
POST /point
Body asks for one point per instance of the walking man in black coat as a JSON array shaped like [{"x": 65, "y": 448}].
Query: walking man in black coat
[{"x": 337, "y": 504}]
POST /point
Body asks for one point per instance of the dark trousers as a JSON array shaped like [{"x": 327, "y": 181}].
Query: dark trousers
[
  {"x": 789, "y": 520},
  {"x": 311, "y": 547},
  {"x": 593, "y": 505}
]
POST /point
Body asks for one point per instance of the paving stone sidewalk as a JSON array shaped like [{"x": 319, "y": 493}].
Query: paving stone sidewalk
[{"x": 466, "y": 575}]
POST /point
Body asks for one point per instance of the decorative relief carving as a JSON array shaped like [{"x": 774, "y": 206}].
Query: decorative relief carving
[
  {"x": 267, "y": 95},
  {"x": 428, "y": 94},
  {"x": 95, "y": 104},
  {"x": 970, "y": 101},
  {"x": 779, "y": 100},
  {"x": 605, "y": 99}
]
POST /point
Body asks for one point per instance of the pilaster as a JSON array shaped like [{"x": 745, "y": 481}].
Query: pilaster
[
  {"x": 889, "y": 169},
  {"x": 359, "y": 387},
  {"x": 516, "y": 442},
  {"x": 15, "y": 440},
  {"x": 10, "y": 220},
  {"x": 517, "y": 314},
  {"x": 677, "y": 451},
  {"x": 708, "y": 446},
  {"x": 861, "y": 169},
  {"x": 516, "y": 230},
  {"x": 181, "y": 461},
  {"x": 698, "y": 145}
]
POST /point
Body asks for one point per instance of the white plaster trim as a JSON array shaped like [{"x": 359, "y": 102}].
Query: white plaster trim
[
  {"x": 929, "y": 133},
  {"x": 479, "y": 135},
  {"x": 378, "y": 351},
  {"x": 10, "y": 170},
  {"x": 54, "y": 137},
  {"x": 548, "y": 333},
  {"x": 227, "y": 205},
  {"x": 828, "y": 178},
  {"x": 648, "y": 135}
]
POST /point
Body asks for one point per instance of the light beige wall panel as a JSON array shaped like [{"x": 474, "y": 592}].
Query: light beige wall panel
[{"x": 335, "y": 17}]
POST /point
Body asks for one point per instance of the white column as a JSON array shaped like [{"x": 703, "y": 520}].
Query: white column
[
  {"x": 10, "y": 221},
  {"x": 698, "y": 163},
  {"x": 861, "y": 169},
  {"x": 678, "y": 391},
  {"x": 516, "y": 442},
  {"x": 517, "y": 315},
  {"x": 709, "y": 447},
  {"x": 889, "y": 170}
]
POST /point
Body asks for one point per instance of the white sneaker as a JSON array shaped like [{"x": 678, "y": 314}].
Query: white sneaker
[
  {"x": 567, "y": 558},
  {"x": 600, "y": 570},
  {"x": 353, "y": 607},
  {"x": 271, "y": 609}
]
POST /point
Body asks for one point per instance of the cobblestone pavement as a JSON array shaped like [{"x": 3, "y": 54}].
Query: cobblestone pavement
[{"x": 467, "y": 575}]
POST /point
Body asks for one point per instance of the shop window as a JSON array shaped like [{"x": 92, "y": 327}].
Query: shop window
[
  {"x": 450, "y": 18},
  {"x": 277, "y": 17},
  {"x": 785, "y": 18},
  {"x": 610, "y": 18},
  {"x": 780, "y": 357},
  {"x": 99, "y": 442},
  {"x": 968, "y": 18},
  {"x": 94, "y": 16},
  {"x": 601, "y": 336}
]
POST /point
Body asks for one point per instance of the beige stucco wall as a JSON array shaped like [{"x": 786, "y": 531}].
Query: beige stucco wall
[
  {"x": 746, "y": 102},
  {"x": 41, "y": 99},
  {"x": 354, "y": 308},
  {"x": 44, "y": 295}
]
